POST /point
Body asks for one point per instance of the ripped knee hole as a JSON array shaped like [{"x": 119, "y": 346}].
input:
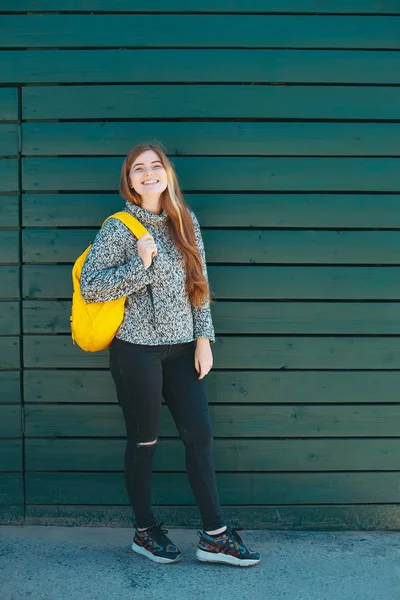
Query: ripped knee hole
[{"x": 146, "y": 443}]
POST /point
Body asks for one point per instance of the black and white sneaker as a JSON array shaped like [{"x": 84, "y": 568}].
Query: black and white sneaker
[
  {"x": 226, "y": 547},
  {"x": 155, "y": 545}
]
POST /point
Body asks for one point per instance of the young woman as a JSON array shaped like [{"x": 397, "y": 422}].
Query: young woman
[{"x": 162, "y": 348}]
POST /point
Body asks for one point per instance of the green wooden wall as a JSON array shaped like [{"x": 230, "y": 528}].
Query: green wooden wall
[{"x": 282, "y": 118}]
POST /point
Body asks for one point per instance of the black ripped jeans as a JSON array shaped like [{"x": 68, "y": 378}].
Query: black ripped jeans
[{"x": 143, "y": 375}]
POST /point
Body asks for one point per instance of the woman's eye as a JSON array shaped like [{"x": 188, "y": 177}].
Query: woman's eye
[{"x": 140, "y": 169}]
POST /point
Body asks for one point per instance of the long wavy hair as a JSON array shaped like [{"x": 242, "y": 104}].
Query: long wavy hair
[{"x": 179, "y": 221}]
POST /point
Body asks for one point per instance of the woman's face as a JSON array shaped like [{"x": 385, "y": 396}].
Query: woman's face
[{"x": 147, "y": 175}]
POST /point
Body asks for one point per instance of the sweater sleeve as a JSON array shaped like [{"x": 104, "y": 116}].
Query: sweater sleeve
[
  {"x": 106, "y": 274},
  {"x": 202, "y": 318}
]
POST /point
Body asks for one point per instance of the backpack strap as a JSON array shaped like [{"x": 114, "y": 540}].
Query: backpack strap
[
  {"x": 138, "y": 231},
  {"x": 131, "y": 223}
]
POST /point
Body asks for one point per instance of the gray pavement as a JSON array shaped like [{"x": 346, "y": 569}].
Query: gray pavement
[{"x": 96, "y": 563}]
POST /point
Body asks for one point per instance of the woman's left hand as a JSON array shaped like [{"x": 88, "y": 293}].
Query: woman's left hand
[{"x": 203, "y": 358}]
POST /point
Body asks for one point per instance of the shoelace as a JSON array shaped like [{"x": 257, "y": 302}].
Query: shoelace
[
  {"x": 234, "y": 533},
  {"x": 158, "y": 527},
  {"x": 231, "y": 531}
]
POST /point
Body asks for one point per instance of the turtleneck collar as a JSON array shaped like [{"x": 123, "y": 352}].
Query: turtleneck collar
[{"x": 145, "y": 216}]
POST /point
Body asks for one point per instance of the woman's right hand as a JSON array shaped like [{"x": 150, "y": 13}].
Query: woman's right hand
[{"x": 147, "y": 249}]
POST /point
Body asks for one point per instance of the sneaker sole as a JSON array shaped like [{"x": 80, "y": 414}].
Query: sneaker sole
[
  {"x": 225, "y": 558},
  {"x": 157, "y": 559}
]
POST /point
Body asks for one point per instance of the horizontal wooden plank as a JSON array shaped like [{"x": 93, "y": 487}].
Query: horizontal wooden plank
[
  {"x": 8, "y": 104},
  {"x": 46, "y": 317},
  {"x": 361, "y": 517},
  {"x": 9, "y": 353},
  {"x": 10, "y": 387},
  {"x": 11, "y": 489},
  {"x": 246, "y": 421},
  {"x": 334, "y": 211},
  {"x": 234, "y": 488},
  {"x": 10, "y": 420},
  {"x": 317, "y": 283},
  {"x": 252, "y": 282},
  {"x": 230, "y": 455},
  {"x": 201, "y": 66},
  {"x": 217, "y": 174},
  {"x": 209, "y": 101},
  {"x": 11, "y": 455},
  {"x": 248, "y": 317},
  {"x": 37, "y": 349},
  {"x": 198, "y": 31},
  {"x": 9, "y": 175},
  {"x": 9, "y": 282},
  {"x": 306, "y": 318},
  {"x": 8, "y": 139},
  {"x": 9, "y": 211},
  {"x": 9, "y": 243},
  {"x": 48, "y": 281},
  {"x": 238, "y": 246},
  {"x": 307, "y": 353},
  {"x": 227, "y": 387},
  {"x": 226, "y": 139},
  {"x": 9, "y": 318},
  {"x": 208, "y": 6},
  {"x": 281, "y": 352}
]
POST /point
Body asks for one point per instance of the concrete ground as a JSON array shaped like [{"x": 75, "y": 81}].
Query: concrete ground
[{"x": 96, "y": 563}]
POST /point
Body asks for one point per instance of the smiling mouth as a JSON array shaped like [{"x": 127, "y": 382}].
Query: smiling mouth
[{"x": 150, "y": 182}]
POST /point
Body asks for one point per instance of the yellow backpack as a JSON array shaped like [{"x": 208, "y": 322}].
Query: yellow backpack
[{"x": 94, "y": 324}]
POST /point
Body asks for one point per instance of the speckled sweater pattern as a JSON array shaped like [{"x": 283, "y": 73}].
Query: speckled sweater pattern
[{"x": 114, "y": 269}]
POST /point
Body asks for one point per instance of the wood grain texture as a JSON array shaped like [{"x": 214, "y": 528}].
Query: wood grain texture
[
  {"x": 199, "y": 31},
  {"x": 225, "y": 387},
  {"x": 9, "y": 211},
  {"x": 201, "y": 66},
  {"x": 9, "y": 352},
  {"x": 210, "y": 6},
  {"x": 10, "y": 387},
  {"x": 329, "y": 211},
  {"x": 273, "y": 455},
  {"x": 251, "y": 282},
  {"x": 225, "y": 139},
  {"x": 240, "y": 247},
  {"x": 335, "y": 318},
  {"x": 223, "y": 174},
  {"x": 9, "y": 139},
  {"x": 230, "y": 352},
  {"x": 11, "y": 455},
  {"x": 9, "y": 318},
  {"x": 9, "y": 173},
  {"x": 243, "y": 421},
  {"x": 8, "y": 104},
  {"x": 9, "y": 243},
  {"x": 210, "y": 101},
  {"x": 10, "y": 421},
  {"x": 235, "y": 488},
  {"x": 9, "y": 282}
]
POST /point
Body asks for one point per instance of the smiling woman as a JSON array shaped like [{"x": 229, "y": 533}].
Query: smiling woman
[
  {"x": 162, "y": 348},
  {"x": 144, "y": 164}
]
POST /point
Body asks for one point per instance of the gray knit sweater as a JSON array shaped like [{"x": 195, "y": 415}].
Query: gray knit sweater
[{"x": 114, "y": 269}]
